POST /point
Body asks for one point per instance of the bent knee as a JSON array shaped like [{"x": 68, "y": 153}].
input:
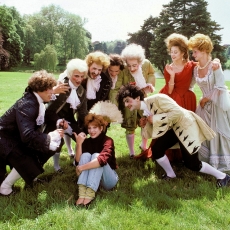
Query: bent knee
[
  {"x": 85, "y": 157},
  {"x": 194, "y": 167},
  {"x": 95, "y": 155}
]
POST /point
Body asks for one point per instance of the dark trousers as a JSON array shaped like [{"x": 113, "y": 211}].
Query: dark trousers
[
  {"x": 3, "y": 164},
  {"x": 168, "y": 140},
  {"x": 28, "y": 162}
]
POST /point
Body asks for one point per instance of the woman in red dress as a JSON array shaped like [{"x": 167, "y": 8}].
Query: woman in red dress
[
  {"x": 178, "y": 74},
  {"x": 178, "y": 78}
]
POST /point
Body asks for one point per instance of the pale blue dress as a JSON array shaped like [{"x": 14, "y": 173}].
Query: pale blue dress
[{"x": 216, "y": 113}]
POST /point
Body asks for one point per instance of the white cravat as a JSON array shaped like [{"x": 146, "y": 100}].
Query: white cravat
[
  {"x": 73, "y": 99},
  {"x": 114, "y": 81},
  {"x": 145, "y": 109},
  {"x": 139, "y": 78},
  {"x": 42, "y": 109},
  {"x": 93, "y": 86}
]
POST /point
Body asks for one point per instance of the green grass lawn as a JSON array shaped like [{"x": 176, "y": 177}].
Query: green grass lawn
[{"x": 140, "y": 200}]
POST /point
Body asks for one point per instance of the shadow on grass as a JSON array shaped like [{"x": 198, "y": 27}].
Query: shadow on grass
[
  {"x": 139, "y": 185},
  {"x": 141, "y": 181}
]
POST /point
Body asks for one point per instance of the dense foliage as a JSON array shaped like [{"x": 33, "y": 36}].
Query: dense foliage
[
  {"x": 110, "y": 47},
  {"x": 179, "y": 16},
  {"x": 10, "y": 29},
  {"x": 27, "y": 35},
  {"x": 30, "y": 34},
  {"x": 46, "y": 59},
  {"x": 4, "y": 55}
]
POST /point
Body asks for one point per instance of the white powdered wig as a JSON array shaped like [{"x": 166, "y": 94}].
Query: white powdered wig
[
  {"x": 76, "y": 64},
  {"x": 133, "y": 51}
]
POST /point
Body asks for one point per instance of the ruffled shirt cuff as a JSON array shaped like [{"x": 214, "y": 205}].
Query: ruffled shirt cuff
[{"x": 55, "y": 140}]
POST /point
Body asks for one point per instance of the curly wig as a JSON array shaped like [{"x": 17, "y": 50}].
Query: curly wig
[
  {"x": 179, "y": 41},
  {"x": 41, "y": 81},
  {"x": 201, "y": 42},
  {"x": 76, "y": 64},
  {"x": 99, "y": 58},
  {"x": 133, "y": 51}
]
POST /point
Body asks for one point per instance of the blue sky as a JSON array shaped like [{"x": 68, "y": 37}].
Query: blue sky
[{"x": 114, "y": 19}]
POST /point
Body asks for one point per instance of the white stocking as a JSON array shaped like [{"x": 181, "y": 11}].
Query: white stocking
[
  {"x": 130, "y": 142},
  {"x": 56, "y": 157},
  {"x": 6, "y": 186},
  {"x": 68, "y": 144},
  {"x": 165, "y": 164},
  {"x": 208, "y": 169}
]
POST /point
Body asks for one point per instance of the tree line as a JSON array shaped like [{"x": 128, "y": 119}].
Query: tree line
[
  {"x": 54, "y": 35},
  {"x": 50, "y": 29},
  {"x": 179, "y": 16}
]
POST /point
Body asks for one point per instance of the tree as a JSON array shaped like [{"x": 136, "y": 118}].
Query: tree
[
  {"x": 159, "y": 55},
  {"x": 97, "y": 46},
  {"x": 4, "y": 55},
  {"x": 179, "y": 16},
  {"x": 188, "y": 18},
  {"x": 46, "y": 59},
  {"x": 30, "y": 43},
  {"x": 54, "y": 26},
  {"x": 89, "y": 38},
  {"x": 19, "y": 22},
  {"x": 227, "y": 64},
  {"x": 145, "y": 35},
  {"x": 75, "y": 41},
  {"x": 119, "y": 47},
  {"x": 12, "y": 41},
  {"x": 227, "y": 53}
]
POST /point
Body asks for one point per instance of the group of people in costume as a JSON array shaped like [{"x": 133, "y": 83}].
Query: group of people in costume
[{"x": 76, "y": 105}]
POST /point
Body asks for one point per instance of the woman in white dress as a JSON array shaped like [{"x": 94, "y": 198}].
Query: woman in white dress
[{"x": 214, "y": 106}]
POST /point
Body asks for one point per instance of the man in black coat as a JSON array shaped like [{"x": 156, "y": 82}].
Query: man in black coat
[
  {"x": 98, "y": 84},
  {"x": 70, "y": 105},
  {"x": 23, "y": 146}
]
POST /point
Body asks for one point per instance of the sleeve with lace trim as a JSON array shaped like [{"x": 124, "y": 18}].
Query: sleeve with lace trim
[{"x": 220, "y": 95}]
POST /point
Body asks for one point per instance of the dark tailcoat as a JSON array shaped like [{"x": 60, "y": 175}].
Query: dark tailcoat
[
  {"x": 22, "y": 144},
  {"x": 59, "y": 109},
  {"x": 103, "y": 92}
]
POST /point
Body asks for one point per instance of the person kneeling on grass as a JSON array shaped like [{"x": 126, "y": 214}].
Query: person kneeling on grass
[
  {"x": 23, "y": 146},
  {"x": 171, "y": 124},
  {"x": 95, "y": 157}
]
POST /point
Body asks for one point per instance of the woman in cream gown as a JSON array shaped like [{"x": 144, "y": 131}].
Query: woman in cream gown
[{"x": 214, "y": 106}]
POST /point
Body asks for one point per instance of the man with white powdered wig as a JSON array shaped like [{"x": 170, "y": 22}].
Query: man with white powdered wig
[
  {"x": 138, "y": 71},
  {"x": 67, "y": 105}
]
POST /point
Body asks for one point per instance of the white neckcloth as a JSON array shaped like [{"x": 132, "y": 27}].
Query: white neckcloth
[
  {"x": 114, "y": 81},
  {"x": 73, "y": 99},
  {"x": 42, "y": 109},
  {"x": 139, "y": 78},
  {"x": 145, "y": 109},
  {"x": 93, "y": 86}
]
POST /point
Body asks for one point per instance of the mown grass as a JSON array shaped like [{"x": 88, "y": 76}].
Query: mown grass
[{"x": 139, "y": 201}]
